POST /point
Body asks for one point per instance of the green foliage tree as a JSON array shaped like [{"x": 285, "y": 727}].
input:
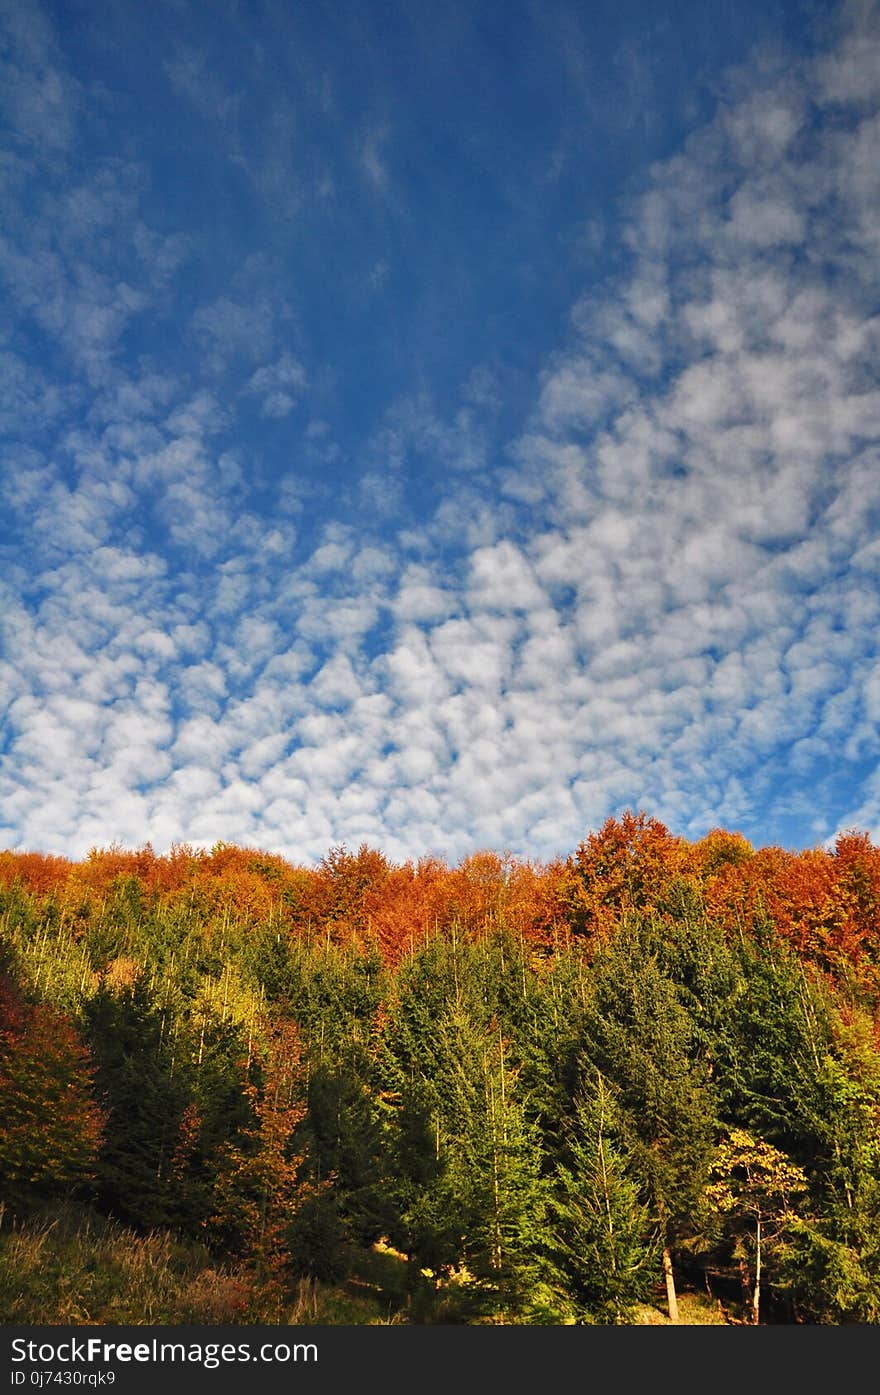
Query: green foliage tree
[
  {"x": 343, "y": 1135},
  {"x": 469, "y": 1158},
  {"x": 640, "y": 1037},
  {"x": 831, "y": 1270},
  {"x": 770, "y": 1045},
  {"x": 209, "y": 1075},
  {"x": 602, "y": 1245},
  {"x": 144, "y": 1103},
  {"x": 490, "y": 1196}
]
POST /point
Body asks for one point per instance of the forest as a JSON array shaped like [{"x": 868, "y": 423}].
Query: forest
[{"x": 638, "y": 1083}]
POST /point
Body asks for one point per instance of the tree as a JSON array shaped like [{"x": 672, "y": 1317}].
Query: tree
[
  {"x": 52, "y": 1125},
  {"x": 768, "y": 1050},
  {"x": 344, "y": 1139},
  {"x": 754, "y": 1191},
  {"x": 831, "y": 1270},
  {"x": 469, "y": 1159},
  {"x": 491, "y": 1181},
  {"x": 638, "y": 1035},
  {"x": 259, "y": 1187},
  {"x": 144, "y": 1104},
  {"x": 626, "y": 866},
  {"x": 602, "y": 1246}
]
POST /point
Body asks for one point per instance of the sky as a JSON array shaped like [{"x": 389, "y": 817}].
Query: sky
[{"x": 438, "y": 426}]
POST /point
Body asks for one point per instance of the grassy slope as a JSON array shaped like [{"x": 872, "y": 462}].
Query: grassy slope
[{"x": 75, "y": 1266}]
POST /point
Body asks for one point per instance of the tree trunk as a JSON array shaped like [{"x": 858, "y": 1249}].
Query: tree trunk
[
  {"x": 671, "y": 1299},
  {"x": 756, "y": 1293}
]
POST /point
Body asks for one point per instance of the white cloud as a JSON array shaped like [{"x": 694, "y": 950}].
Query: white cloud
[
  {"x": 279, "y": 385},
  {"x": 664, "y": 593},
  {"x": 502, "y": 578},
  {"x": 38, "y": 95},
  {"x": 372, "y": 159}
]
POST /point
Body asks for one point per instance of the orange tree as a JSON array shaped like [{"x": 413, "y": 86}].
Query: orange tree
[{"x": 52, "y": 1126}]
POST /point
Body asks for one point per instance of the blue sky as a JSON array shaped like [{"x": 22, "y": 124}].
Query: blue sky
[{"x": 438, "y": 426}]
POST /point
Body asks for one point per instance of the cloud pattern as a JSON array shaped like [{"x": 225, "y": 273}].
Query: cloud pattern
[{"x": 660, "y": 590}]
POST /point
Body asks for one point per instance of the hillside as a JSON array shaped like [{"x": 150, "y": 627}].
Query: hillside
[{"x": 503, "y": 1091}]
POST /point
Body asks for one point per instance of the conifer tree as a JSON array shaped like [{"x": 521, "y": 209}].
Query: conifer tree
[
  {"x": 470, "y": 1160},
  {"x": 344, "y": 1140},
  {"x": 639, "y": 1036},
  {"x": 830, "y": 1271},
  {"x": 602, "y": 1244},
  {"x": 144, "y": 1104},
  {"x": 770, "y": 1045}
]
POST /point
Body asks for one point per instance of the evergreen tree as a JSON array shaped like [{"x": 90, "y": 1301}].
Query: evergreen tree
[
  {"x": 489, "y": 1199},
  {"x": 144, "y": 1105},
  {"x": 345, "y": 1142},
  {"x": 769, "y": 1048},
  {"x": 210, "y": 1073},
  {"x": 602, "y": 1245},
  {"x": 469, "y": 1161},
  {"x": 830, "y": 1271},
  {"x": 640, "y": 1037}
]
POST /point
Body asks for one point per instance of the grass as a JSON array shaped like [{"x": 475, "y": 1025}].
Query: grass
[
  {"x": 694, "y": 1310},
  {"x": 75, "y": 1266}
]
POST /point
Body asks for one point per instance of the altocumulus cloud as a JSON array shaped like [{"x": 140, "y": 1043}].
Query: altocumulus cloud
[{"x": 663, "y": 591}]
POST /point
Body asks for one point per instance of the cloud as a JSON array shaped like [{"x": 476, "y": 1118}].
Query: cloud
[
  {"x": 279, "y": 385},
  {"x": 228, "y": 327},
  {"x": 661, "y": 591},
  {"x": 191, "y": 75},
  {"x": 372, "y": 161},
  {"x": 38, "y": 96}
]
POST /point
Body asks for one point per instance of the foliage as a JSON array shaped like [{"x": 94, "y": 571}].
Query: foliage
[
  {"x": 603, "y": 1247},
  {"x": 526, "y": 1084},
  {"x": 258, "y": 1189},
  {"x": 52, "y": 1125},
  {"x": 755, "y": 1189}
]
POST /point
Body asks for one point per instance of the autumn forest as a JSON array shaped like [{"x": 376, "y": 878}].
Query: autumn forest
[{"x": 640, "y": 1083}]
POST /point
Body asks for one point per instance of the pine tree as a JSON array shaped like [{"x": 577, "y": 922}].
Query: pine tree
[
  {"x": 602, "y": 1243},
  {"x": 770, "y": 1045},
  {"x": 467, "y": 1158},
  {"x": 144, "y": 1104},
  {"x": 344, "y": 1140},
  {"x": 639, "y": 1036},
  {"x": 830, "y": 1269}
]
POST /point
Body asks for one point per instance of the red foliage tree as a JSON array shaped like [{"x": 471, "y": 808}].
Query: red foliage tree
[
  {"x": 259, "y": 1189},
  {"x": 41, "y": 873},
  {"x": 52, "y": 1126},
  {"x": 628, "y": 865}
]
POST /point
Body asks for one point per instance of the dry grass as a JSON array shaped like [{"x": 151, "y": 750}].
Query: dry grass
[
  {"x": 78, "y": 1268},
  {"x": 694, "y": 1310}
]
